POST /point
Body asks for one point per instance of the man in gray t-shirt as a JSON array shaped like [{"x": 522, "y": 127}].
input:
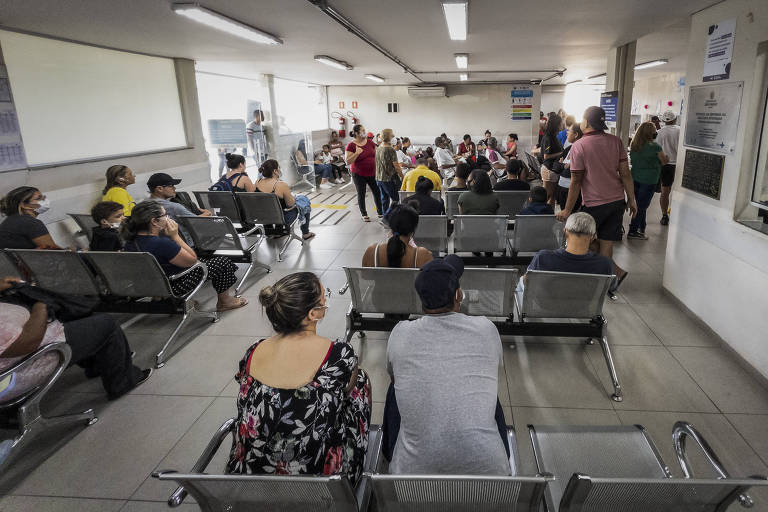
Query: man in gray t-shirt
[
  {"x": 162, "y": 188},
  {"x": 444, "y": 367}
]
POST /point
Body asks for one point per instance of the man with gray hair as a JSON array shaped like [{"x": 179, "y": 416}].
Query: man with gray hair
[
  {"x": 444, "y": 158},
  {"x": 580, "y": 232}
]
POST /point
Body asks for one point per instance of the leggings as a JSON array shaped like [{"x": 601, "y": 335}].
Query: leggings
[{"x": 360, "y": 183}]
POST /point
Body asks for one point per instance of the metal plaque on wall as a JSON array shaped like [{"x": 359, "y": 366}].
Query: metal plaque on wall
[{"x": 712, "y": 117}]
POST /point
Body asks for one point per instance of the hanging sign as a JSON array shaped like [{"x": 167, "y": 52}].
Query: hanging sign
[
  {"x": 713, "y": 117},
  {"x": 609, "y": 102},
  {"x": 522, "y": 103},
  {"x": 717, "y": 60}
]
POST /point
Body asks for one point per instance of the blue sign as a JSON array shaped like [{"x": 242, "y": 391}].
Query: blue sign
[
  {"x": 522, "y": 93},
  {"x": 609, "y": 101}
]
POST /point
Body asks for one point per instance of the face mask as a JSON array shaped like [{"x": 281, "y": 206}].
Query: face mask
[
  {"x": 43, "y": 206},
  {"x": 115, "y": 225}
]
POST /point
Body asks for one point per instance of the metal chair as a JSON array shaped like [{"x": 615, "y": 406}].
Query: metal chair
[
  {"x": 235, "y": 493},
  {"x": 511, "y": 202},
  {"x": 480, "y": 233},
  {"x": 403, "y": 194},
  {"x": 32, "y": 424},
  {"x": 264, "y": 208},
  {"x": 8, "y": 266},
  {"x": 534, "y": 233},
  {"x": 489, "y": 292},
  {"x": 60, "y": 271},
  {"x": 619, "y": 469},
  {"x": 452, "y": 202},
  {"x": 85, "y": 223},
  {"x": 217, "y": 236},
  {"x": 135, "y": 283},
  {"x": 223, "y": 204},
  {"x": 432, "y": 232}
]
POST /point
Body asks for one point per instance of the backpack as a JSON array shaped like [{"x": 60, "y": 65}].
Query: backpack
[{"x": 226, "y": 184}]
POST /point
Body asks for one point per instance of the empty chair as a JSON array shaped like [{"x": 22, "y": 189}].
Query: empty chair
[
  {"x": 264, "y": 208},
  {"x": 480, "y": 233},
  {"x": 489, "y": 291},
  {"x": 511, "y": 202},
  {"x": 432, "y": 232},
  {"x": 217, "y": 236},
  {"x": 222, "y": 204},
  {"x": 85, "y": 224},
  {"x": 534, "y": 233},
  {"x": 60, "y": 271},
  {"x": 403, "y": 194},
  {"x": 452, "y": 202},
  {"x": 8, "y": 266}
]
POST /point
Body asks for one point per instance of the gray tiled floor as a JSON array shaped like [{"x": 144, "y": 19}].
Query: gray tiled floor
[{"x": 671, "y": 367}]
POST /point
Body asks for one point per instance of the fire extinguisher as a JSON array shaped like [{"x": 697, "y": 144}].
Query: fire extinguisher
[
  {"x": 342, "y": 123},
  {"x": 353, "y": 117}
]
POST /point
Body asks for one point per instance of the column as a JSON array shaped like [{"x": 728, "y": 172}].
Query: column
[{"x": 620, "y": 77}]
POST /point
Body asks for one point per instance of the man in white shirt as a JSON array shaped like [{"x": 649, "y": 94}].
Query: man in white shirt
[
  {"x": 444, "y": 158},
  {"x": 668, "y": 137},
  {"x": 405, "y": 161}
]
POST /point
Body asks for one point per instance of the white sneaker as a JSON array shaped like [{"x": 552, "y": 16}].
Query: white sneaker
[
  {"x": 340, "y": 181},
  {"x": 326, "y": 185}
]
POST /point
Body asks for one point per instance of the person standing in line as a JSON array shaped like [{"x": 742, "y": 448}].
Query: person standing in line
[
  {"x": 668, "y": 138},
  {"x": 656, "y": 122},
  {"x": 551, "y": 149},
  {"x": 405, "y": 161},
  {"x": 389, "y": 174},
  {"x": 562, "y": 136},
  {"x": 647, "y": 158},
  {"x": 574, "y": 134},
  {"x": 361, "y": 158},
  {"x": 600, "y": 173},
  {"x": 257, "y": 141}
]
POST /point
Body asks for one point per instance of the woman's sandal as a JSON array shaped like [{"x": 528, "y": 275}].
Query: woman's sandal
[
  {"x": 366, "y": 218},
  {"x": 308, "y": 236},
  {"x": 241, "y": 303}
]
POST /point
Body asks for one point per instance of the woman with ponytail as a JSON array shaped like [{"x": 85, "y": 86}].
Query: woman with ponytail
[
  {"x": 271, "y": 184},
  {"x": 400, "y": 250},
  {"x": 236, "y": 179},
  {"x": 118, "y": 179}
]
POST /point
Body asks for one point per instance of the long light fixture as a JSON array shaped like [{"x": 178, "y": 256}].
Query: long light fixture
[
  {"x": 223, "y": 23},
  {"x": 374, "y": 78},
  {"x": 456, "y": 18},
  {"x": 463, "y": 77},
  {"x": 330, "y": 61},
  {"x": 601, "y": 75},
  {"x": 572, "y": 82},
  {"x": 651, "y": 63},
  {"x": 462, "y": 60}
]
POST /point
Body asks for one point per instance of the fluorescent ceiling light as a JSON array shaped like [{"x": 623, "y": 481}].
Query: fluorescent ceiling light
[
  {"x": 463, "y": 77},
  {"x": 374, "y": 78},
  {"x": 223, "y": 23},
  {"x": 462, "y": 60},
  {"x": 651, "y": 64},
  {"x": 329, "y": 61},
  {"x": 572, "y": 82},
  {"x": 601, "y": 75},
  {"x": 456, "y": 18}
]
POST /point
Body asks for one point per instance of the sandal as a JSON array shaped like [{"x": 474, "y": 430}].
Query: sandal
[
  {"x": 237, "y": 305},
  {"x": 366, "y": 218},
  {"x": 308, "y": 236}
]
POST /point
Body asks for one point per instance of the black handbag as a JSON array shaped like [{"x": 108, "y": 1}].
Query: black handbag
[{"x": 61, "y": 306}]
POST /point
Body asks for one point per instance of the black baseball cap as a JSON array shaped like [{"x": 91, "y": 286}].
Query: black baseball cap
[
  {"x": 160, "y": 179},
  {"x": 438, "y": 281},
  {"x": 595, "y": 116}
]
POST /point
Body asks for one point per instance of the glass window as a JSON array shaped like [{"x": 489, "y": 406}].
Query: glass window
[
  {"x": 300, "y": 106},
  {"x": 760, "y": 184}
]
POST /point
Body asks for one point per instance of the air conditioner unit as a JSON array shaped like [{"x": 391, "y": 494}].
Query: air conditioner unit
[{"x": 426, "y": 92}]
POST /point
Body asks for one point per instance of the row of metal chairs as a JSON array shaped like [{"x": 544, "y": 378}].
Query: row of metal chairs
[
  {"x": 510, "y": 201},
  {"x": 580, "y": 469}
]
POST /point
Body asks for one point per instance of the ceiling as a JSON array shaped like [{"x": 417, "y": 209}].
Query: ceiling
[{"x": 526, "y": 35}]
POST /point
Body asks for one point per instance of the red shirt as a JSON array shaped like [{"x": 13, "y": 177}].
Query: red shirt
[
  {"x": 598, "y": 154},
  {"x": 365, "y": 164}
]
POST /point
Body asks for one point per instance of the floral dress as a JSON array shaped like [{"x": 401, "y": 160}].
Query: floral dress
[{"x": 317, "y": 429}]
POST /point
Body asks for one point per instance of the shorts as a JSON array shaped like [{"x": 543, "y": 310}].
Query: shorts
[
  {"x": 667, "y": 175},
  {"x": 547, "y": 175},
  {"x": 609, "y": 218}
]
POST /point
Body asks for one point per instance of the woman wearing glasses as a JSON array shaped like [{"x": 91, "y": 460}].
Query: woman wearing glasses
[{"x": 304, "y": 405}]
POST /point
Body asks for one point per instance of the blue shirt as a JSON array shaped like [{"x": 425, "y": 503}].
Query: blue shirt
[
  {"x": 562, "y": 136},
  {"x": 537, "y": 209},
  {"x": 162, "y": 248},
  {"x": 562, "y": 261}
]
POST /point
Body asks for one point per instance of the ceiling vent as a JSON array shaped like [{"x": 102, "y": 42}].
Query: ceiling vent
[{"x": 426, "y": 92}]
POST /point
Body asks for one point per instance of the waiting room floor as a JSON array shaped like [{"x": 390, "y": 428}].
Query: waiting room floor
[{"x": 670, "y": 367}]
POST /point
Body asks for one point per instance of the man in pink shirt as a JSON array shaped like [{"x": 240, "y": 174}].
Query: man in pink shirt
[{"x": 600, "y": 172}]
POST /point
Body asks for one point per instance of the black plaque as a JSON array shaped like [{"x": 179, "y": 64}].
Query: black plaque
[{"x": 703, "y": 172}]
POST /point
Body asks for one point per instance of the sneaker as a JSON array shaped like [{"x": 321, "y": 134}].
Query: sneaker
[
  {"x": 326, "y": 185},
  {"x": 636, "y": 235},
  {"x": 340, "y": 181},
  {"x": 145, "y": 374},
  {"x": 664, "y": 220}
]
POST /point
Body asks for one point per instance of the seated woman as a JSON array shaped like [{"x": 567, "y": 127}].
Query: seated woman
[
  {"x": 400, "y": 250},
  {"x": 141, "y": 232},
  {"x": 304, "y": 406},
  {"x": 461, "y": 176},
  {"x": 98, "y": 344},
  {"x": 118, "y": 179},
  {"x": 427, "y": 205},
  {"x": 105, "y": 237},
  {"x": 236, "y": 179},
  {"x": 479, "y": 199},
  {"x": 21, "y": 228},
  {"x": 271, "y": 184}
]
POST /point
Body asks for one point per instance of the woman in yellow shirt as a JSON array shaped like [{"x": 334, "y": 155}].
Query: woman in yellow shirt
[{"x": 118, "y": 179}]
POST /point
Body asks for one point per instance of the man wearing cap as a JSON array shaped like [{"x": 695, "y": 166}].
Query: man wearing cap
[
  {"x": 600, "y": 173},
  {"x": 444, "y": 369},
  {"x": 668, "y": 137},
  {"x": 162, "y": 188}
]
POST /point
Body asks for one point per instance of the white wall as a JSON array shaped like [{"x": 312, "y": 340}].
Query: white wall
[
  {"x": 552, "y": 98},
  {"x": 714, "y": 265},
  {"x": 656, "y": 92},
  {"x": 467, "y": 109}
]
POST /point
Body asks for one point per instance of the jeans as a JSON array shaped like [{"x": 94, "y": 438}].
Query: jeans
[
  {"x": 360, "y": 184},
  {"x": 324, "y": 170},
  {"x": 388, "y": 191},
  {"x": 643, "y": 196},
  {"x": 292, "y": 214},
  {"x": 391, "y": 424},
  {"x": 99, "y": 345}
]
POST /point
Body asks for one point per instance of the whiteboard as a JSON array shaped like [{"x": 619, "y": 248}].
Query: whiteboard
[{"x": 77, "y": 102}]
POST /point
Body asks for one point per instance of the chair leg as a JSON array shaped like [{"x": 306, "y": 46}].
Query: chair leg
[
  {"x": 160, "y": 357},
  {"x": 617, "y": 396},
  {"x": 242, "y": 279}
]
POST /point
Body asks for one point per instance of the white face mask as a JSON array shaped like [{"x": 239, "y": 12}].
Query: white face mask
[
  {"x": 115, "y": 225},
  {"x": 43, "y": 206}
]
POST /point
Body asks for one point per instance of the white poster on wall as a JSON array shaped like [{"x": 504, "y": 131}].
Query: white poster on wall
[
  {"x": 717, "y": 60},
  {"x": 12, "y": 155},
  {"x": 713, "y": 117}
]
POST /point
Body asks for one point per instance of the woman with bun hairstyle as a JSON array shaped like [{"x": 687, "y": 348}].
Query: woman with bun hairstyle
[
  {"x": 236, "y": 177},
  {"x": 271, "y": 184},
  {"x": 150, "y": 230},
  {"x": 118, "y": 179},
  {"x": 400, "y": 251},
  {"x": 423, "y": 201},
  {"x": 304, "y": 406}
]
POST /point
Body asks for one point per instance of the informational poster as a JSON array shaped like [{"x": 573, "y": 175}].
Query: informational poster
[
  {"x": 609, "y": 101},
  {"x": 717, "y": 60},
  {"x": 12, "y": 155},
  {"x": 227, "y": 132},
  {"x": 713, "y": 117},
  {"x": 522, "y": 103}
]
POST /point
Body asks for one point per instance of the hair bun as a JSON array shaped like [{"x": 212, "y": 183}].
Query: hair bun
[
  {"x": 228, "y": 155},
  {"x": 267, "y": 296}
]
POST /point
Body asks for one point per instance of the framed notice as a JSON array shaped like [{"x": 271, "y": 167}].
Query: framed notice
[
  {"x": 717, "y": 60},
  {"x": 522, "y": 103},
  {"x": 703, "y": 172},
  {"x": 227, "y": 132},
  {"x": 609, "y": 102},
  {"x": 713, "y": 117}
]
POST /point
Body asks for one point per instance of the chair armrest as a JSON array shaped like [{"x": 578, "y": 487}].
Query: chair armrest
[
  {"x": 36, "y": 394},
  {"x": 255, "y": 228},
  {"x": 343, "y": 289},
  {"x": 199, "y": 264}
]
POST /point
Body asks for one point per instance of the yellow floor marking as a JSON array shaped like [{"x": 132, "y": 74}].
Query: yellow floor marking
[{"x": 330, "y": 206}]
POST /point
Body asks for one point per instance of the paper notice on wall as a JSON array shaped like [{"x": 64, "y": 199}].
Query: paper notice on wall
[
  {"x": 717, "y": 60},
  {"x": 522, "y": 103},
  {"x": 12, "y": 155}
]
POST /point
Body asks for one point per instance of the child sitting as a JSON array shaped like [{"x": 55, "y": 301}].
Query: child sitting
[
  {"x": 537, "y": 203},
  {"x": 108, "y": 215}
]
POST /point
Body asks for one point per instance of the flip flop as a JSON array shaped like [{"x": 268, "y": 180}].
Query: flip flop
[
  {"x": 366, "y": 218},
  {"x": 241, "y": 303},
  {"x": 308, "y": 236}
]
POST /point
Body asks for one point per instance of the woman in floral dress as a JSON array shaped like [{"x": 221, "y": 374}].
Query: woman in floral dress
[{"x": 304, "y": 406}]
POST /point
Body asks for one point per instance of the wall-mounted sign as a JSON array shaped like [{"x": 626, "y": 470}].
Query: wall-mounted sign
[
  {"x": 703, "y": 172},
  {"x": 227, "y": 132},
  {"x": 609, "y": 101},
  {"x": 12, "y": 154},
  {"x": 713, "y": 117},
  {"x": 341, "y": 104},
  {"x": 522, "y": 103},
  {"x": 717, "y": 60},
  {"x": 354, "y": 104}
]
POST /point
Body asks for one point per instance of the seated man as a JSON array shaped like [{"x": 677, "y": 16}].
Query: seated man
[
  {"x": 444, "y": 157},
  {"x": 410, "y": 179},
  {"x": 162, "y": 188},
  {"x": 512, "y": 181},
  {"x": 442, "y": 414},
  {"x": 537, "y": 203},
  {"x": 108, "y": 215}
]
